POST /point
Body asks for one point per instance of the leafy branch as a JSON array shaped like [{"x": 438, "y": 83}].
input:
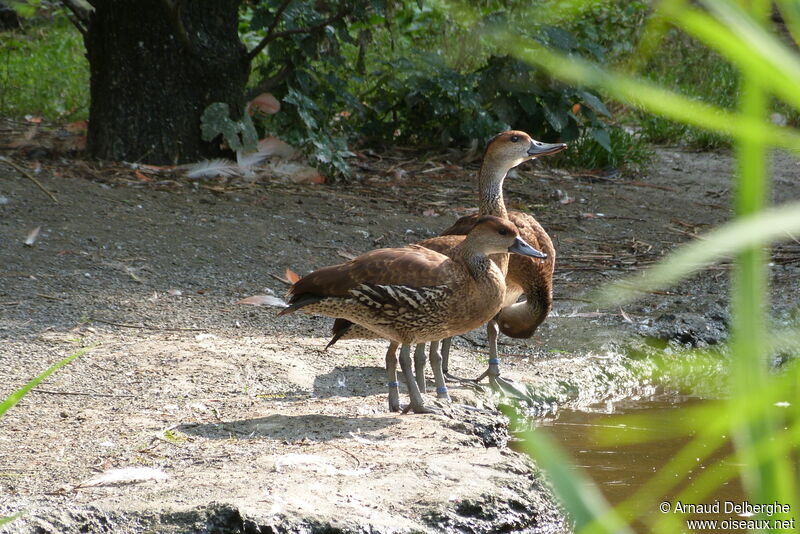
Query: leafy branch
[{"x": 272, "y": 35}]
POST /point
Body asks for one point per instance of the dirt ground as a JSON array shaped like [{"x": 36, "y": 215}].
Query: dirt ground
[{"x": 246, "y": 422}]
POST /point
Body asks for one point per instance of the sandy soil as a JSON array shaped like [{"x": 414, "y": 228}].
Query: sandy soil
[{"x": 249, "y": 424}]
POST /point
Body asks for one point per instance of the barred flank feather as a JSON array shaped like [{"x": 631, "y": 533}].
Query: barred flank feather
[{"x": 401, "y": 298}]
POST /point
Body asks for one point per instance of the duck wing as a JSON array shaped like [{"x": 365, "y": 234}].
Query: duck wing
[{"x": 390, "y": 275}]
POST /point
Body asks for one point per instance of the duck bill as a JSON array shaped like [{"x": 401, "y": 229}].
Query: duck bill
[
  {"x": 538, "y": 148},
  {"x": 521, "y": 247}
]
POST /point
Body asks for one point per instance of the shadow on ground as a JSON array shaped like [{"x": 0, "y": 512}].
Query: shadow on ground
[
  {"x": 350, "y": 381},
  {"x": 290, "y": 427}
]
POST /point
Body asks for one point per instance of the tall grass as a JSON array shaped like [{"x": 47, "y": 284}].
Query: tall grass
[
  {"x": 761, "y": 413},
  {"x": 44, "y": 71}
]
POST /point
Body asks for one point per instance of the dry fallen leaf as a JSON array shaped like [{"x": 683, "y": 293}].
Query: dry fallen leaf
[
  {"x": 265, "y": 103},
  {"x": 127, "y": 475},
  {"x": 32, "y": 235},
  {"x": 263, "y": 300}
]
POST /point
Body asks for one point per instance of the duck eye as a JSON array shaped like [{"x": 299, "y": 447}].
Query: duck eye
[
  {"x": 502, "y": 231},
  {"x": 514, "y": 138}
]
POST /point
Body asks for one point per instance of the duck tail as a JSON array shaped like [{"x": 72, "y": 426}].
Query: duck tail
[
  {"x": 340, "y": 328},
  {"x": 300, "y": 301}
]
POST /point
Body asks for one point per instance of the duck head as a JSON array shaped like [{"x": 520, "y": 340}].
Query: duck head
[
  {"x": 511, "y": 148},
  {"x": 493, "y": 235}
]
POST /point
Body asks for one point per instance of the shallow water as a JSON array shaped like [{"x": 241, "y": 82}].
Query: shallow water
[{"x": 619, "y": 470}]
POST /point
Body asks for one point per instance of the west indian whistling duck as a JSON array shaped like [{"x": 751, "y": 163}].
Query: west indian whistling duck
[
  {"x": 527, "y": 276},
  {"x": 414, "y": 294}
]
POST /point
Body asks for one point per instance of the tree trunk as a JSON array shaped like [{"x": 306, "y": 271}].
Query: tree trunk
[{"x": 155, "y": 66}]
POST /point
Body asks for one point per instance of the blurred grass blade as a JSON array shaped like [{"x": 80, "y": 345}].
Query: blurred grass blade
[
  {"x": 784, "y": 74},
  {"x": 745, "y": 44},
  {"x": 725, "y": 469},
  {"x": 756, "y": 230},
  {"x": 15, "y": 397},
  {"x": 8, "y": 519},
  {"x": 646, "y": 95},
  {"x": 582, "y": 500},
  {"x": 653, "y": 34},
  {"x": 790, "y": 11}
]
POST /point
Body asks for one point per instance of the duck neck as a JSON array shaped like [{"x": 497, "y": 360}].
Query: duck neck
[
  {"x": 479, "y": 265},
  {"x": 490, "y": 189}
]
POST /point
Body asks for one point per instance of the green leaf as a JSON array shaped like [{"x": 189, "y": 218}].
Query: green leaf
[
  {"x": 15, "y": 397},
  {"x": 557, "y": 119},
  {"x": 239, "y": 135},
  {"x": 560, "y": 38},
  {"x": 602, "y": 137},
  {"x": 595, "y": 103}
]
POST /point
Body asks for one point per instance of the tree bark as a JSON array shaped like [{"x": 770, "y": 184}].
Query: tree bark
[{"x": 155, "y": 66}]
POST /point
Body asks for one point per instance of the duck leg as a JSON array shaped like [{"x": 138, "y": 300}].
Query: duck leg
[
  {"x": 493, "y": 372},
  {"x": 420, "y": 358},
  {"x": 391, "y": 374},
  {"x": 417, "y": 405},
  {"x": 438, "y": 373},
  {"x": 446, "y": 343},
  {"x": 445, "y": 354}
]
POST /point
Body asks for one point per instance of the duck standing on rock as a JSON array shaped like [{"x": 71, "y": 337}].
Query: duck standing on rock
[
  {"x": 414, "y": 294},
  {"x": 528, "y": 276}
]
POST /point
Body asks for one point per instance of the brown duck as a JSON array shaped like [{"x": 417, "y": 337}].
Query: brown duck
[
  {"x": 527, "y": 276},
  {"x": 414, "y": 294}
]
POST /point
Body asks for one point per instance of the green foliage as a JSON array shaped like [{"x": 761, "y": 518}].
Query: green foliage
[
  {"x": 362, "y": 71},
  {"x": 238, "y": 134},
  {"x": 420, "y": 100},
  {"x": 615, "y": 26},
  {"x": 305, "y": 67},
  {"x": 43, "y": 71},
  {"x": 628, "y": 151},
  {"x": 383, "y": 73},
  {"x": 318, "y": 126},
  {"x": 523, "y": 96},
  {"x": 27, "y": 8}
]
